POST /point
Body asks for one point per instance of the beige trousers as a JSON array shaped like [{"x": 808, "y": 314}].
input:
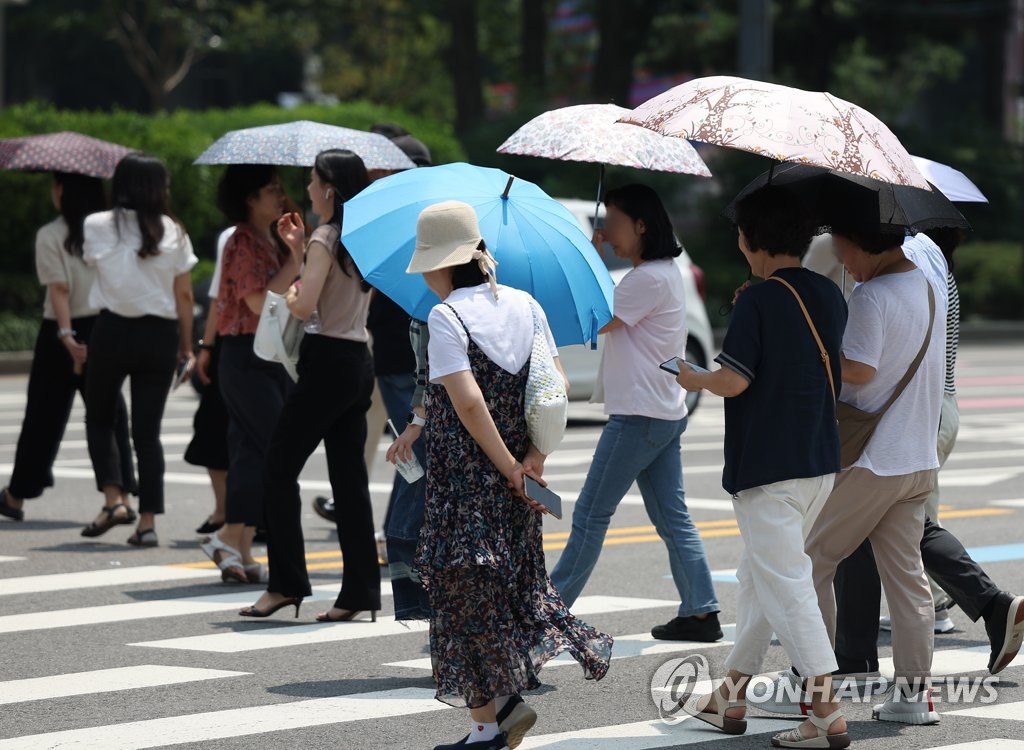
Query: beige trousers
[{"x": 890, "y": 512}]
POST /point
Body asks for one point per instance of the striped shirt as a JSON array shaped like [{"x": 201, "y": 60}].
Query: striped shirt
[{"x": 952, "y": 333}]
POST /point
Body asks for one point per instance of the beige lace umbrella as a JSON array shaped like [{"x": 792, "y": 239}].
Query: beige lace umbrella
[{"x": 783, "y": 123}]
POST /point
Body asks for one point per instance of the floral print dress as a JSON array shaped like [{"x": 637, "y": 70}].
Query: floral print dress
[{"x": 496, "y": 617}]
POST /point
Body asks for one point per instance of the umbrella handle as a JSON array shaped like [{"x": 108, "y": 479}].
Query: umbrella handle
[{"x": 597, "y": 203}]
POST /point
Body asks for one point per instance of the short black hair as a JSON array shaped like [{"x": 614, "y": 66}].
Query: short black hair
[
  {"x": 240, "y": 183},
  {"x": 469, "y": 274},
  {"x": 874, "y": 239},
  {"x": 775, "y": 220},
  {"x": 640, "y": 202}
]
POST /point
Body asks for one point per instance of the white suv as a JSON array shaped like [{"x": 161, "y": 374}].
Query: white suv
[{"x": 581, "y": 362}]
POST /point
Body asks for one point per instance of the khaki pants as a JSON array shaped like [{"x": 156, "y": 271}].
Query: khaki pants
[{"x": 890, "y": 512}]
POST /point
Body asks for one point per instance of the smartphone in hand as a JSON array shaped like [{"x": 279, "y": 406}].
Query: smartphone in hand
[
  {"x": 182, "y": 372},
  {"x": 672, "y": 366},
  {"x": 551, "y": 502}
]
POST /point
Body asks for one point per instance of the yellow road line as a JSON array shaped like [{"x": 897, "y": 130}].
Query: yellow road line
[{"x": 618, "y": 535}]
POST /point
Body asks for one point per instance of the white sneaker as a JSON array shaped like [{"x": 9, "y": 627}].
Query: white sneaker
[
  {"x": 913, "y": 709},
  {"x": 943, "y": 622},
  {"x": 787, "y": 696}
]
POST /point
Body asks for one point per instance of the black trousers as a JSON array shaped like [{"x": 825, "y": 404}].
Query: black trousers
[
  {"x": 254, "y": 392},
  {"x": 209, "y": 444},
  {"x": 144, "y": 351},
  {"x": 52, "y": 383},
  {"x": 859, "y": 591},
  {"x": 328, "y": 403}
]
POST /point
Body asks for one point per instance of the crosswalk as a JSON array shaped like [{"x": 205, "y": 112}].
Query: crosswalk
[{"x": 103, "y": 646}]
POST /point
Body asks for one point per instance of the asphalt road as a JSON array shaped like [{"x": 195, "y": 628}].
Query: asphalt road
[{"x": 106, "y": 646}]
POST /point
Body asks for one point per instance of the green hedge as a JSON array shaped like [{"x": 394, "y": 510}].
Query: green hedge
[
  {"x": 18, "y": 334},
  {"x": 990, "y": 276},
  {"x": 177, "y": 138}
]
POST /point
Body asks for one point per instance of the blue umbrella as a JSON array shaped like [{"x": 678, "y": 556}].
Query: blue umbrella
[
  {"x": 537, "y": 242},
  {"x": 296, "y": 144}
]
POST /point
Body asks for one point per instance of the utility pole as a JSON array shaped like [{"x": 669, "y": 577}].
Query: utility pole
[{"x": 754, "y": 57}]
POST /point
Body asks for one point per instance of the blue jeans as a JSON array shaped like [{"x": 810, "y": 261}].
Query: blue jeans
[
  {"x": 404, "y": 516},
  {"x": 645, "y": 450}
]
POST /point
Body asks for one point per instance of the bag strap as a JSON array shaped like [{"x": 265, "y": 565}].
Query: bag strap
[
  {"x": 821, "y": 347},
  {"x": 912, "y": 370}
]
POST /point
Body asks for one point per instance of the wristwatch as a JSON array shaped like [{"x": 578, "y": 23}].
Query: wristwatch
[
  {"x": 203, "y": 345},
  {"x": 415, "y": 419},
  {"x": 65, "y": 332}
]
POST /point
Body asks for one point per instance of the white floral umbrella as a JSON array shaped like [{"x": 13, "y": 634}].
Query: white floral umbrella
[
  {"x": 592, "y": 133},
  {"x": 783, "y": 123}
]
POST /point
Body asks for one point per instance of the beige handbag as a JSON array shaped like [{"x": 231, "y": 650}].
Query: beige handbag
[{"x": 856, "y": 426}]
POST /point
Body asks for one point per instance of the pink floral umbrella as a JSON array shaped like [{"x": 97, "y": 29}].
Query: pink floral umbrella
[
  {"x": 592, "y": 133},
  {"x": 780, "y": 122},
  {"x": 66, "y": 151}
]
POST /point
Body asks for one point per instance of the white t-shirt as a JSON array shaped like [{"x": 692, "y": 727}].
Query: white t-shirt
[
  {"x": 651, "y": 301},
  {"x": 126, "y": 284},
  {"x": 887, "y": 324},
  {"x": 222, "y": 240},
  {"x": 503, "y": 330},
  {"x": 926, "y": 255},
  {"x": 55, "y": 265}
]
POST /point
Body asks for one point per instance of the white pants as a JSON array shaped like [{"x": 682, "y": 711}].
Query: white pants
[
  {"x": 776, "y": 591},
  {"x": 949, "y": 426}
]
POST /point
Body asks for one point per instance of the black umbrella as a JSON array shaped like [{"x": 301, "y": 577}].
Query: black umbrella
[{"x": 832, "y": 195}]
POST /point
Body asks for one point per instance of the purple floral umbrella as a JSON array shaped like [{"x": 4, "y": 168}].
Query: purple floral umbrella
[{"x": 66, "y": 151}]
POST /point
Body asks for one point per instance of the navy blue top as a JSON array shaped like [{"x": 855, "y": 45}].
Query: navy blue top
[{"x": 783, "y": 426}]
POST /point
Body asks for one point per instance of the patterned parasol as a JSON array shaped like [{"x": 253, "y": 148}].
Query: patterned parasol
[
  {"x": 296, "y": 144},
  {"x": 66, "y": 151},
  {"x": 783, "y": 123},
  {"x": 592, "y": 133}
]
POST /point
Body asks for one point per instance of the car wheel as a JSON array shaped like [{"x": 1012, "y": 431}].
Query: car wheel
[{"x": 694, "y": 354}]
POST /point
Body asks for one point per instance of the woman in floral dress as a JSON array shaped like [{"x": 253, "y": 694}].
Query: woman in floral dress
[{"x": 496, "y": 617}]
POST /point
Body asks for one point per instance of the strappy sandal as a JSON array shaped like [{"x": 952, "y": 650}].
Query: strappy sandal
[
  {"x": 822, "y": 739},
  {"x": 256, "y": 573},
  {"x": 229, "y": 560},
  {"x": 99, "y": 529},
  {"x": 716, "y": 718},
  {"x": 144, "y": 538}
]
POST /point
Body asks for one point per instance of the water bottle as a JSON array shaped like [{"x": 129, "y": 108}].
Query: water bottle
[
  {"x": 312, "y": 324},
  {"x": 410, "y": 470}
]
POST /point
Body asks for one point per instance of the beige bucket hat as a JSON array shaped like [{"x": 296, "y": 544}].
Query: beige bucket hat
[{"x": 447, "y": 234}]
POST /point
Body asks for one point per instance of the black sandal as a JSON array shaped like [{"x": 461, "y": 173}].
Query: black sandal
[
  {"x": 99, "y": 529},
  {"x": 144, "y": 538}
]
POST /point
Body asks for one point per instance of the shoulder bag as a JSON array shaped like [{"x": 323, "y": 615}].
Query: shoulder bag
[
  {"x": 856, "y": 426},
  {"x": 547, "y": 404},
  {"x": 278, "y": 334}
]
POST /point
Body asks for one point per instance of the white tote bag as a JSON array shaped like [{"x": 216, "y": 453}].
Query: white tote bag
[
  {"x": 278, "y": 334},
  {"x": 547, "y": 403}
]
